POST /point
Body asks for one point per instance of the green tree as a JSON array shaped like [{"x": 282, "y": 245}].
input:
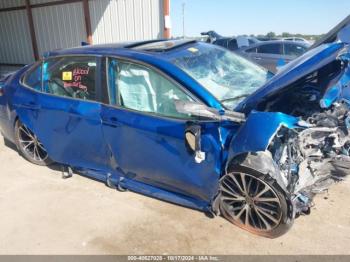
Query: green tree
[
  {"x": 286, "y": 34},
  {"x": 271, "y": 35}
]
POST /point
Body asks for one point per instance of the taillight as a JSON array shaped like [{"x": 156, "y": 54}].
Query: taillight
[{"x": 1, "y": 91}]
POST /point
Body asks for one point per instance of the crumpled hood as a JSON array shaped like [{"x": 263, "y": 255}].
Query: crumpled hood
[
  {"x": 334, "y": 34},
  {"x": 292, "y": 72},
  {"x": 304, "y": 65}
]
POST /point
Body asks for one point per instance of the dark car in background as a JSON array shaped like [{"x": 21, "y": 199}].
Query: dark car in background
[
  {"x": 271, "y": 54},
  {"x": 268, "y": 53},
  {"x": 232, "y": 43}
]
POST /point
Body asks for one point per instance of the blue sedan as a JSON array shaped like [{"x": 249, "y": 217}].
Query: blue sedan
[{"x": 178, "y": 121}]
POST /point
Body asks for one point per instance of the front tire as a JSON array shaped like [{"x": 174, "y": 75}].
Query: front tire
[
  {"x": 29, "y": 146},
  {"x": 255, "y": 202}
]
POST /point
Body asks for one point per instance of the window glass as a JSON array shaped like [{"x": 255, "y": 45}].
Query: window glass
[
  {"x": 232, "y": 45},
  {"x": 294, "y": 50},
  {"x": 270, "y": 49},
  {"x": 251, "y": 42},
  {"x": 33, "y": 77},
  {"x": 251, "y": 50},
  {"x": 229, "y": 77},
  {"x": 71, "y": 77},
  {"x": 222, "y": 42},
  {"x": 143, "y": 89}
]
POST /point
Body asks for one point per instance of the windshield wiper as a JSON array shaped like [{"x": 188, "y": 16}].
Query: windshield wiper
[{"x": 234, "y": 98}]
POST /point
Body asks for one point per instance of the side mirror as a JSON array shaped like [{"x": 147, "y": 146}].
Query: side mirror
[
  {"x": 193, "y": 138},
  {"x": 193, "y": 142}
]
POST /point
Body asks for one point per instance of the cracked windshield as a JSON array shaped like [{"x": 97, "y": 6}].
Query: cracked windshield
[{"x": 227, "y": 76}]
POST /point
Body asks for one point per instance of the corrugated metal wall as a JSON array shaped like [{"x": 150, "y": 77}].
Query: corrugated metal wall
[
  {"x": 59, "y": 26},
  {"x": 11, "y": 3},
  {"x": 63, "y": 26},
  {"x": 15, "y": 42},
  {"x": 125, "y": 20}
]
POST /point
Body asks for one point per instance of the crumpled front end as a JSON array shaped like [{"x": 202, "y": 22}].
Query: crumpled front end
[{"x": 312, "y": 158}]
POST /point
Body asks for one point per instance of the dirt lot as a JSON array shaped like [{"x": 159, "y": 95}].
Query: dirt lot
[{"x": 44, "y": 214}]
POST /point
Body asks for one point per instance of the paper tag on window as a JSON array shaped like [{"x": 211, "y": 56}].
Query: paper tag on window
[{"x": 67, "y": 76}]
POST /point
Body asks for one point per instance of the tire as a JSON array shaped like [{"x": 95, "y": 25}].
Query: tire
[
  {"x": 259, "y": 205},
  {"x": 29, "y": 146}
]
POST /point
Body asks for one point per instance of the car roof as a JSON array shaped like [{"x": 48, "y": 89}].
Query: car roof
[
  {"x": 276, "y": 42},
  {"x": 150, "y": 46}
]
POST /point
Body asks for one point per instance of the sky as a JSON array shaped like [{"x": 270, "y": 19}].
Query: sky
[{"x": 236, "y": 17}]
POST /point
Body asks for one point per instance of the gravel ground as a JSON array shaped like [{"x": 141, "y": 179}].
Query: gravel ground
[{"x": 44, "y": 214}]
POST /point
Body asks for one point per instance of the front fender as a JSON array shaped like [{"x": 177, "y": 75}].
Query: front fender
[{"x": 257, "y": 132}]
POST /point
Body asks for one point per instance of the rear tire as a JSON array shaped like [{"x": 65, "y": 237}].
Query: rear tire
[
  {"x": 255, "y": 202},
  {"x": 29, "y": 146}
]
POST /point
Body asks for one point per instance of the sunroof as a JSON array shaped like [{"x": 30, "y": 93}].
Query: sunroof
[{"x": 162, "y": 46}]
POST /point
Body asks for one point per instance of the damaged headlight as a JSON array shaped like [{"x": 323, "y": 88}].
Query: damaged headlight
[{"x": 284, "y": 150}]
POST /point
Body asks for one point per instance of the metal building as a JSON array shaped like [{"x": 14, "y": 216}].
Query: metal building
[{"x": 28, "y": 28}]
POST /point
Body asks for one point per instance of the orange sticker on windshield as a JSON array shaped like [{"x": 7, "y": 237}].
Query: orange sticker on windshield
[{"x": 67, "y": 76}]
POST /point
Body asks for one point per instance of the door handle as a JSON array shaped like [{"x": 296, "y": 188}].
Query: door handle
[
  {"x": 257, "y": 58},
  {"x": 31, "y": 106},
  {"x": 110, "y": 121}
]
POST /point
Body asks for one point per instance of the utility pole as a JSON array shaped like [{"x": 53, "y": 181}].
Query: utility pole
[{"x": 183, "y": 19}]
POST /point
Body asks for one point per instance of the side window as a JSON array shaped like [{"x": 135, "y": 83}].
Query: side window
[
  {"x": 33, "y": 77},
  {"x": 143, "y": 89},
  {"x": 270, "y": 49},
  {"x": 294, "y": 50},
  {"x": 251, "y": 50},
  {"x": 232, "y": 45},
  {"x": 251, "y": 42},
  {"x": 221, "y": 42},
  {"x": 71, "y": 77}
]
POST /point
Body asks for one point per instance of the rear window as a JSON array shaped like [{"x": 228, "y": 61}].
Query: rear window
[{"x": 70, "y": 76}]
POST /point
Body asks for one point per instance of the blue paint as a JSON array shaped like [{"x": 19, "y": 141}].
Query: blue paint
[
  {"x": 298, "y": 68},
  {"x": 256, "y": 133},
  {"x": 147, "y": 153}
]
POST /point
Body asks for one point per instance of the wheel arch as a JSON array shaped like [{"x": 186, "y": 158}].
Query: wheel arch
[
  {"x": 260, "y": 161},
  {"x": 263, "y": 163}
]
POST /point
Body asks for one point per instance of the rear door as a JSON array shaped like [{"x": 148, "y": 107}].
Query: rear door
[
  {"x": 65, "y": 112},
  {"x": 146, "y": 134}
]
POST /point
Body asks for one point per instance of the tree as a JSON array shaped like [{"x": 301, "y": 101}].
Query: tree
[
  {"x": 270, "y": 35},
  {"x": 286, "y": 34}
]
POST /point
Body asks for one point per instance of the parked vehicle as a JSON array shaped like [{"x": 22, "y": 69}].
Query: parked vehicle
[
  {"x": 296, "y": 39},
  {"x": 271, "y": 54},
  {"x": 231, "y": 43},
  {"x": 177, "y": 120}
]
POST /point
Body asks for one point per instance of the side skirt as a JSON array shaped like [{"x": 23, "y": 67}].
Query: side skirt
[{"x": 145, "y": 189}]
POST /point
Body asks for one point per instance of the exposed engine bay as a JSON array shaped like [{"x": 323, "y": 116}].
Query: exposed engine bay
[{"x": 314, "y": 157}]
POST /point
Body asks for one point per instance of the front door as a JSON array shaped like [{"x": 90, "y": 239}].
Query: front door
[{"x": 146, "y": 134}]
